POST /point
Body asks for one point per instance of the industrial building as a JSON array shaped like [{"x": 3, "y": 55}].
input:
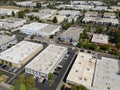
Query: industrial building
[
  {"x": 43, "y": 14},
  {"x": 100, "y": 38},
  {"x": 104, "y": 19},
  {"x": 60, "y": 18},
  {"x": 26, "y": 3},
  {"x": 4, "y": 11},
  {"x": 91, "y": 14},
  {"x": 18, "y": 55},
  {"x": 69, "y": 12},
  {"x": 11, "y": 23},
  {"x": 109, "y": 15},
  {"x": 71, "y": 35},
  {"x": 70, "y": 15},
  {"x": 46, "y": 61},
  {"x": 82, "y": 70},
  {"x": 40, "y": 29},
  {"x": 97, "y": 3},
  {"x": 6, "y": 41},
  {"x": 107, "y": 74}
]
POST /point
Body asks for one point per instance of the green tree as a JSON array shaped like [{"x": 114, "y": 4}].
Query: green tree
[
  {"x": 30, "y": 83},
  {"x": 117, "y": 36},
  {"x": 21, "y": 78},
  {"x": 93, "y": 46},
  {"x": 106, "y": 47},
  {"x": 13, "y": 13},
  {"x": 118, "y": 45},
  {"x": 72, "y": 21},
  {"x": 16, "y": 84},
  {"x": 51, "y": 76},
  {"x": 32, "y": 36},
  {"x": 55, "y": 20},
  {"x": 80, "y": 44},
  {"x": 51, "y": 36},
  {"x": 73, "y": 87},
  {"x": 38, "y": 5},
  {"x": 81, "y": 87},
  {"x": 21, "y": 14},
  {"x": 1, "y": 74},
  {"x": 87, "y": 45}
]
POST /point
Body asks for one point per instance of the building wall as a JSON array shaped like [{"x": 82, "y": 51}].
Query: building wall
[
  {"x": 5, "y": 45},
  {"x": 18, "y": 65},
  {"x": 40, "y": 74}
]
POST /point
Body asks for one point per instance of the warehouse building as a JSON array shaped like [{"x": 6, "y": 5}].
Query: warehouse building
[
  {"x": 100, "y": 38},
  {"x": 46, "y": 61},
  {"x": 104, "y": 19},
  {"x": 6, "y": 41},
  {"x": 107, "y": 74},
  {"x": 26, "y": 3},
  {"x": 69, "y": 12},
  {"x": 71, "y": 35},
  {"x": 40, "y": 29},
  {"x": 70, "y": 15},
  {"x": 43, "y": 14},
  {"x": 82, "y": 70},
  {"x": 4, "y": 11},
  {"x": 18, "y": 55},
  {"x": 109, "y": 15},
  {"x": 11, "y": 23},
  {"x": 91, "y": 14},
  {"x": 60, "y": 18}
]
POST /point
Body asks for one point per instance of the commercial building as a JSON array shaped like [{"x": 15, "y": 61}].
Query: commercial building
[
  {"x": 105, "y": 19},
  {"x": 11, "y": 23},
  {"x": 107, "y": 75},
  {"x": 91, "y": 14},
  {"x": 46, "y": 61},
  {"x": 4, "y": 11},
  {"x": 18, "y": 55},
  {"x": 109, "y": 15},
  {"x": 60, "y": 18},
  {"x": 115, "y": 8},
  {"x": 82, "y": 70},
  {"x": 100, "y": 38},
  {"x": 43, "y": 14},
  {"x": 71, "y": 35},
  {"x": 6, "y": 41},
  {"x": 97, "y": 3},
  {"x": 26, "y": 3},
  {"x": 70, "y": 14},
  {"x": 40, "y": 29}
]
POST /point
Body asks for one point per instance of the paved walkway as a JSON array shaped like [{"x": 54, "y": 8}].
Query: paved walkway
[{"x": 4, "y": 86}]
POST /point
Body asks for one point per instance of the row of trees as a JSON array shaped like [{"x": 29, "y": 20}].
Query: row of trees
[
  {"x": 74, "y": 87},
  {"x": 24, "y": 84}
]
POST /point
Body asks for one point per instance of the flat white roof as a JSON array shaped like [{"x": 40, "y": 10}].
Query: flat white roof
[
  {"x": 109, "y": 14},
  {"x": 106, "y": 74},
  {"x": 91, "y": 13},
  {"x": 34, "y": 26},
  {"x": 5, "y": 38},
  {"x": 102, "y": 20},
  {"x": 100, "y": 38},
  {"x": 47, "y": 59},
  {"x": 82, "y": 70},
  {"x": 19, "y": 52},
  {"x": 43, "y": 14},
  {"x": 26, "y": 3},
  {"x": 8, "y": 11},
  {"x": 69, "y": 12},
  {"x": 72, "y": 32},
  {"x": 40, "y": 28}
]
